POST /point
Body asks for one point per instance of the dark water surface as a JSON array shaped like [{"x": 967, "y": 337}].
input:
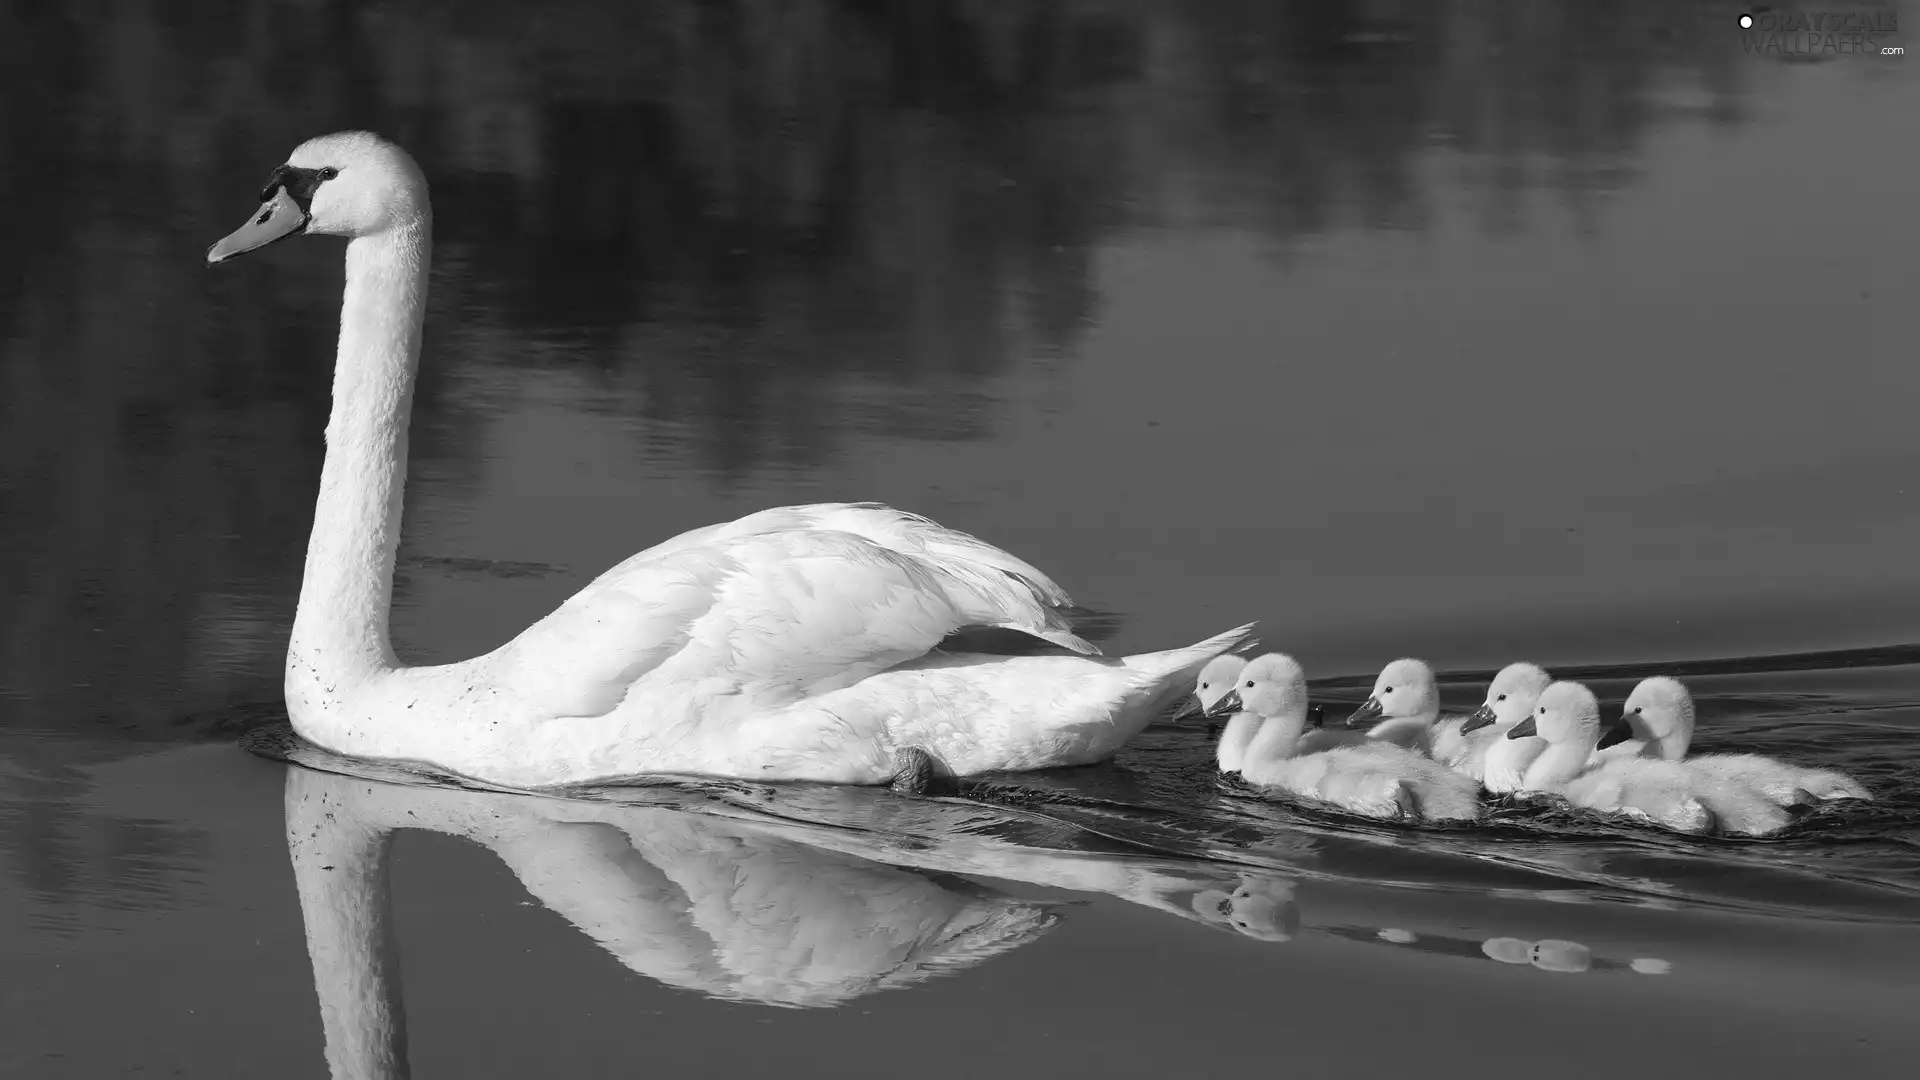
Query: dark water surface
[{"x": 1568, "y": 331}]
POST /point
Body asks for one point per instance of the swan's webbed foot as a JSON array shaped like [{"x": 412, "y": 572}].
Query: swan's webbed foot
[{"x": 913, "y": 771}]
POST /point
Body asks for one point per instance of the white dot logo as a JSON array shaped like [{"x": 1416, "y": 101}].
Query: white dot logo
[{"x": 1746, "y": 22}]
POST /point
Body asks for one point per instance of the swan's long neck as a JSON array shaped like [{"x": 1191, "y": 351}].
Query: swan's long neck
[{"x": 340, "y": 630}]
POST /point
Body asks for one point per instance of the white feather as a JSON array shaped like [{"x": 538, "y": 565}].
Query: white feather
[{"x": 792, "y": 644}]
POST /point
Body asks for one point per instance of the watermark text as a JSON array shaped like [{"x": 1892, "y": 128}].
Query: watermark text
[{"x": 1808, "y": 34}]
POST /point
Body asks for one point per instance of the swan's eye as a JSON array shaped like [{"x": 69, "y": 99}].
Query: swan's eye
[
  {"x": 1637, "y": 712},
  {"x": 329, "y": 173},
  {"x": 1542, "y": 710},
  {"x": 1388, "y": 690},
  {"x": 1502, "y": 697},
  {"x": 1249, "y": 684},
  {"x": 1205, "y": 685}
]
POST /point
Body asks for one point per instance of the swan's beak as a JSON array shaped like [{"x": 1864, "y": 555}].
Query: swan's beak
[
  {"x": 1618, "y": 731},
  {"x": 1372, "y": 710},
  {"x": 1523, "y": 730},
  {"x": 1229, "y": 702},
  {"x": 1478, "y": 719},
  {"x": 278, "y": 218}
]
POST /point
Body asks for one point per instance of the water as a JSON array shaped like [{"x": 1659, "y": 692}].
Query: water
[{"x": 1418, "y": 329}]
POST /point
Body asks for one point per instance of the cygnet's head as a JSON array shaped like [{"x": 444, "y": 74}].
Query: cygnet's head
[
  {"x": 1566, "y": 713},
  {"x": 1510, "y": 696},
  {"x": 1660, "y": 710},
  {"x": 1263, "y": 908},
  {"x": 1404, "y": 689},
  {"x": 350, "y": 183},
  {"x": 1273, "y": 685},
  {"x": 1217, "y": 678},
  {"x": 1564, "y": 956}
]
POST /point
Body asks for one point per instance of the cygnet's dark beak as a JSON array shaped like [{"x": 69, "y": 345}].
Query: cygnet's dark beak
[
  {"x": 1479, "y": 718},
  {"x": 1523, "y": 730},
  {"x": 1372, "y": 710},
  {"x": 1189, "y": 709},
  {"x": 1618, "y": 731},
  {"x": 1316, "y": 718},
  {"x": 1228, "y": 702}
]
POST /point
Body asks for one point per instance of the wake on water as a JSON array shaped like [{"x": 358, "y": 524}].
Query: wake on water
[{"x": 1161, "y": 799}]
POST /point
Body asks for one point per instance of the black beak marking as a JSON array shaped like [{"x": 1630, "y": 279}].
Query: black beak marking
[
  {"x": 1372, "y": 710},
  {"x": 1228, "y": 702}
]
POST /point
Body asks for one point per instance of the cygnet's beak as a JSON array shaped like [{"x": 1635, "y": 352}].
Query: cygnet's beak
[
  {"x": 1229, "y": 702},
  {"x": 1372, "y": 710},
  {"x": 1316, "y": 718},
  {"x": 1524, "y": 730},
  {"x": 1190, "y": 709},
  {"x": 1479, "y": 718},
  {"x": 1618, "y": 731},
  {"x": 279, "y": 217}
]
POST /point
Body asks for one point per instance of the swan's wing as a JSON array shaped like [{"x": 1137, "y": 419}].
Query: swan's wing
[
  {"x": 1025, "y": 599},
  {"x": 769, "y": 618}
]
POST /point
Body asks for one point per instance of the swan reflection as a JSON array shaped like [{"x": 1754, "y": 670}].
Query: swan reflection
[
  {"x": 743, "y": 909},
  {"x": 745, "y": 904}
]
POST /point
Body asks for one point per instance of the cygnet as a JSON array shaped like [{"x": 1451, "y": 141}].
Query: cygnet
[
  {"x": 1487, "y": 755},
  {"x": 1374, "y": 778}
]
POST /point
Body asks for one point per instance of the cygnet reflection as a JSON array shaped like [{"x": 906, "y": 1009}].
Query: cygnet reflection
[
  {"x": 1547, "y": 954},
  {"x": 1261, "y": 907}
]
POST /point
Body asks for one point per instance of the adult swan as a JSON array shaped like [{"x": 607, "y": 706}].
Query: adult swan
[{"x": 793, "y": 644}]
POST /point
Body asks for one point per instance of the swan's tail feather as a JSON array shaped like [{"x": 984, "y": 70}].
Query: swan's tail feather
[
  {"x": 1067, "y": 639},
  {"x": 1167, "y": 676},
  {"x": 1090, "y": 708},
  {"x": 1171, "y": 662}
]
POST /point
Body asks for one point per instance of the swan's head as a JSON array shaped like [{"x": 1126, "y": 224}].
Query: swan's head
[
  {"x": 1274, "y": 685},
  {"x": 1660, "y": 710},
  {"x": 350, "y": 183},
  {"x": 1510, "y": 696},
  {"x": 1566, "y": 713},
  {"x": 1404, "y": 689},
  {"x": 1216, "y": 679}
]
